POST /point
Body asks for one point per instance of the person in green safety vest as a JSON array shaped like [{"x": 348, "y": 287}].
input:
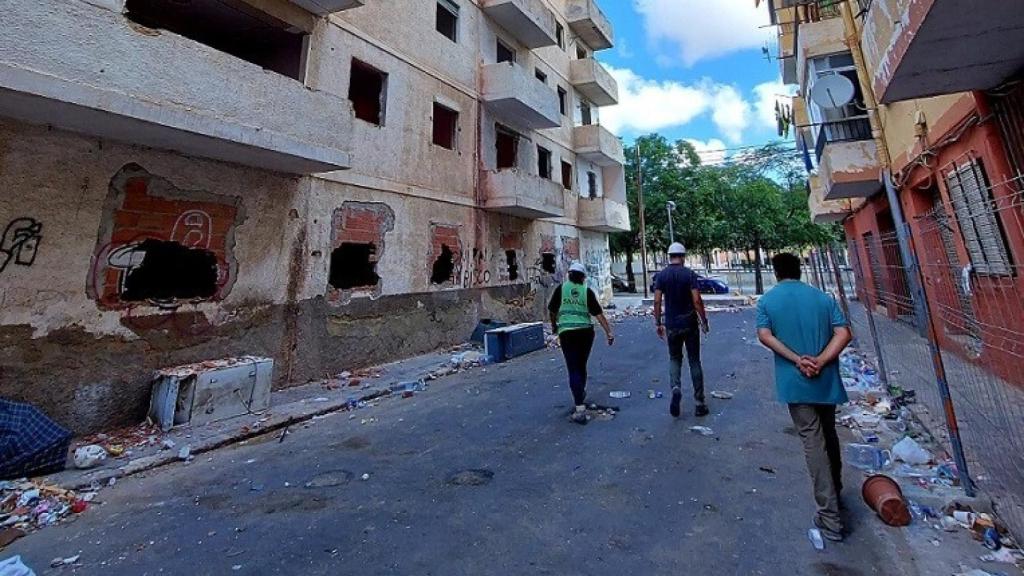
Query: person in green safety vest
[{"x": 571, "y": 307}]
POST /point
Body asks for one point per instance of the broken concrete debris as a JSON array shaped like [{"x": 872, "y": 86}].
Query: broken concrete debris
[
  {"x": 89, "y": 456},
  {"x": 721, "y": 395}
]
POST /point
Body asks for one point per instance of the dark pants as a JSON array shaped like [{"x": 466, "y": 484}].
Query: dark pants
[
  {"x": 576, "y": 346},
  {"x": 816, "y": 424},
  {"x": 690, "y": 339}
]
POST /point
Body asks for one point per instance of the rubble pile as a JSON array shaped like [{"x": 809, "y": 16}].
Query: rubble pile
[{"x": 29, "y": 505}]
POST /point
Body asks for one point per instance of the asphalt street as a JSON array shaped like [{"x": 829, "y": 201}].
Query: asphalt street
[{"x": 483, "y": 474}]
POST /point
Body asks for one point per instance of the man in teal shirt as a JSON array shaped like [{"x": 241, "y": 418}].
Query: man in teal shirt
[{"x": 807, "y": 332}]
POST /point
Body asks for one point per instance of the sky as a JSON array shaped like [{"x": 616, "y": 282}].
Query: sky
[{"x": 694, "y": 70}]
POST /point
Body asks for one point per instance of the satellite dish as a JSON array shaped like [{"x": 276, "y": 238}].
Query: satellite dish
[{"x": 832, "y": 91}]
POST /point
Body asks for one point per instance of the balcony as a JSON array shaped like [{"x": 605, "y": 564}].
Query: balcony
[
  {"x": 594, "y": 82},
  {"x": 827, "y": 211},
  {"x": 520, "y": 194},
  {"x": 520, "y": 98},
  {"x": 596, "y": 144},
  {"x": 603, "y": 215},
  {"x": 848, "y": 159},
  {"x": 921, "y": 48},
  {"x": 590, "y": 24},
  {"x": 529, "y": 21},
  {"x": 327, "y": 7},
  {"x": 86, "y": 69},
  {"x": 819, "y": 32}
]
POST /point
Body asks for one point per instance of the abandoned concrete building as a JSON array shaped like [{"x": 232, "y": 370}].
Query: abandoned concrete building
[{"x": 329, "y": 183}]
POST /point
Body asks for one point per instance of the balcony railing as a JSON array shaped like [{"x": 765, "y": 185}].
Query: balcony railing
[{"x": 846, "y": 130}]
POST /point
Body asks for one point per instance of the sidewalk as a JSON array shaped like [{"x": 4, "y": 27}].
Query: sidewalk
[{"x": 624, "y": 300}]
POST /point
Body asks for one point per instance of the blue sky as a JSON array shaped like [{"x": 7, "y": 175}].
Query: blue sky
[{"x": 693, "y": 69}]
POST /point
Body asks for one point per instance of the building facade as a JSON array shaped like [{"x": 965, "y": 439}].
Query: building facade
[
  {"x": 331, "y": 183},
  {"x": 937, "y": 115}
]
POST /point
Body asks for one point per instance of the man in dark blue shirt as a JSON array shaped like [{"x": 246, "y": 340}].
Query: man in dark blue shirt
[{"x": 684, "y": 319}]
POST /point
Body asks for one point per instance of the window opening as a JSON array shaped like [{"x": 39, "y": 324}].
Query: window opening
[
  {"x": 566, "y": 175},
  {"x": 507, "y": 144},
  {"x": 230, "y": 26},
  {"x": 548, "y": 262},
  {"x": 544, "y": 162},
  {"x": 513, "y": 265},
  {"x": 592, "y": 184},
  {"x": 504, "y": 52},
  {"x": 563, "y": 101},
  {"x": 446, "y": 122},
  {"x": 560, "y": 35},
  {"x": 367, "y": 90},
  {"x": 448, "y": 19},
  {"x": 540, "y": 75}
]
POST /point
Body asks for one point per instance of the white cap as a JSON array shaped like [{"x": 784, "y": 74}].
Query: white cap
[
  {"x": 577, "y": 267},
  {"x": 676, "y": 249}
]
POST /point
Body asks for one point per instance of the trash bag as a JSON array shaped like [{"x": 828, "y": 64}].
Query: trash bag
[
  {"x": 911, "y": 452},
  {"x": 30, "y": 443},
  {"x": 13, "y": 567}
]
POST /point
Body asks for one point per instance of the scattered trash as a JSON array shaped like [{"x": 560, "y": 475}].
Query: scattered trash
[
  {"x": 31, "y": 444},
  {"x": 9, "y": 535},
  {"x": 722, "y": 395},
  {"x": 58, "y": 562},
  {"x": 185, "y": 453},
  {"x": 365, "y": 477},
  {"x": 89, "y": 456},
  {"x": 814, "y": 535},
  {"x": 990, "y": 538},
  {"x": 909, "y": 451},
  {"x": 620, "y": 394},
  {"x": 27, "y": 505},
  {"x": 167, "y": 444},
  {"x": 867, "y": 457},
  {"x": 702, "y": 430},
  {"x": 767, "y": 469},
  {"x": 14, "y": 567},
  {"x": 1003, "y": 556}
]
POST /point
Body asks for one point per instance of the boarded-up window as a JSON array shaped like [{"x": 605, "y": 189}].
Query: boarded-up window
[{"x": 976, "y": 213}]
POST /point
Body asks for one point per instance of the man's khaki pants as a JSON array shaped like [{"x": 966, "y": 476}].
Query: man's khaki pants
[{"x": 816, "y": 424}]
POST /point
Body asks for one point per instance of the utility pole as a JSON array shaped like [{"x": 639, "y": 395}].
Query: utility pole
[
  {"x": 670, "y": 207},
  {"x": 640, "y": 210}
]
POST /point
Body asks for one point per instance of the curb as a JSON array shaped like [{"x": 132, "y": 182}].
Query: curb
[{"x": 285, "y": 415}]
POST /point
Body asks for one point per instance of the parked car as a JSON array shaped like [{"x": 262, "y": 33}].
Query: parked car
[{"x": 619, "y": 284}]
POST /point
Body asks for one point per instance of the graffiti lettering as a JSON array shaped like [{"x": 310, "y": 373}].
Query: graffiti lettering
[{"x": 20, "y": 242}]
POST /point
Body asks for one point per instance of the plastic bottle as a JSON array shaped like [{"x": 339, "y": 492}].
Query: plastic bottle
[
  {"x": 814, "y": 535},
  {"x": 867, "y": 457}
]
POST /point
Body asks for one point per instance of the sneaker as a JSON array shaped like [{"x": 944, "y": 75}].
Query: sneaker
[
  {"x": 701, "y": 410},
  {"x": 827, "y": 533},
  {"x": 579, "y": 416},
  {"x": 673, "y": 408}
]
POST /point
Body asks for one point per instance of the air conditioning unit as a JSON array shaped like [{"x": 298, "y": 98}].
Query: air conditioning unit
[{"x": 209, "y": 391}]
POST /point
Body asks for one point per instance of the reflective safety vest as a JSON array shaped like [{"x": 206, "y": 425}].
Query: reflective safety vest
[{"x": 573, "y": 313}]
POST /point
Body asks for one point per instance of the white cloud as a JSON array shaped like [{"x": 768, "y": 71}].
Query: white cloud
[
  {"x": 766, "y": 95},
  {"x": 650, "y": 105},
  {"x": 703, "y": 29},
  {"x": 710, "y": 152},
  {"x": 730, "y": 113}
]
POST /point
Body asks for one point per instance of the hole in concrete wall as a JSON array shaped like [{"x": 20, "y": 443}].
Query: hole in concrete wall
[
  {"x": 231, "y": 26},
  {"x": 353, "y": 266},
  {"x": 548, "y": 263},
  {"x": 171, "y": 271},
  {"x": 513, "y": 265},
  {"x": 444, "y": 266},
  {"x": 507, "y": 144},
  {"x": 367, "y": 89}
]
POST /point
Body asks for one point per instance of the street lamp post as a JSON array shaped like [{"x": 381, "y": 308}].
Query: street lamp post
[{"x": 670, "y": 207}]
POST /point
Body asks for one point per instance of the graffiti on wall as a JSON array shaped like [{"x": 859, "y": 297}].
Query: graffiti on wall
[
  {"x": 598, "y": 262},
  {"x": 162, "y": 246},
  {"x": 20, "y": 242}
]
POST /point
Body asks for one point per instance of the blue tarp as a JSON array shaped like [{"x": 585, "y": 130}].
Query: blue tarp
[{"x": 30, "y": 443}]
